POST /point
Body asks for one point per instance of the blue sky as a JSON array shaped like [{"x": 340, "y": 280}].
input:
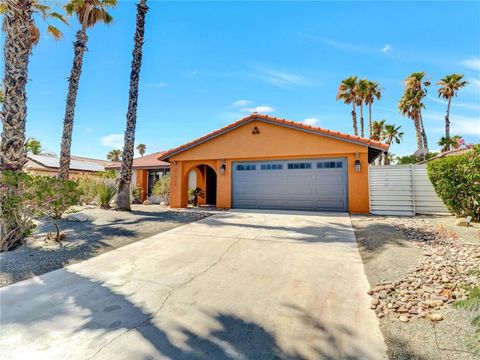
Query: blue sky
[{"x": 207, "y": 64}]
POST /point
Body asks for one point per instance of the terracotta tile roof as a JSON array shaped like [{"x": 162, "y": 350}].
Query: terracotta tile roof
[
  {"x": 149, "y": 161},
  {"x": 289, "y": 123}
]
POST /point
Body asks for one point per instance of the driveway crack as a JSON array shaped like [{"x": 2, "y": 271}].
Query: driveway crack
[{"x": 169, "y": 294}]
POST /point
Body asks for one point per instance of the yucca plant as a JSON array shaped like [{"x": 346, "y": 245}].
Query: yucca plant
[{"x": 106, "y": 193}]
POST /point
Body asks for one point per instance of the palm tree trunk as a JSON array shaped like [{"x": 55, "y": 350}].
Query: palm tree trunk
[
  {"x": 447, "y": 124},
  {"x": 79, "y": 48},
  {"x": 17, "y": 25},
  {"x": 370, "y": 119},
  {"x": 354, "y": 119},
  {"x": 123, "y": 183},
  {"x": 362, "y": 132},
  {"x": 424, "y": 135},
  {"x": 418, "y": 131}
]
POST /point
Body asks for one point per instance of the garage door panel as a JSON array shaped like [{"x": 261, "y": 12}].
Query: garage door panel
[{"x": 284, "y": 185}]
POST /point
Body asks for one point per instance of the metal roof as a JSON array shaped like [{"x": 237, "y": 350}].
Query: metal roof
[{"x": 53, "y": 162}]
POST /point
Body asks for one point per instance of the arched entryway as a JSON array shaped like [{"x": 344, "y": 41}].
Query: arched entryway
[{"x": 203, "y": 177}]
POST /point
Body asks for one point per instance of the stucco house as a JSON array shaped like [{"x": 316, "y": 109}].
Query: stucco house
[
  {"x": 262, "y": 161},
  {"x": 146, "y": 170}
]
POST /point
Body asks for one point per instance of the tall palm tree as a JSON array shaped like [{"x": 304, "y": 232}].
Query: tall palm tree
[
  {"x": 449, "y": 86},
  {"x": 391, "y": 133},
  {"x": 347, "y": 91},
  {"x": 123, "y": 182},
  {"x": 114, "y": 155},
  {"x": 89, "y": 13},
  {"x": 373, "y": 92},
  {"x": 362, "y": 87},
  {"x": 141, "y": 149},
  {"x": 1, "y": 95},
  {"x": 34, "y": 146},
  {"x": 411, "y": 104},
  {"x": 21, "y": 35}
]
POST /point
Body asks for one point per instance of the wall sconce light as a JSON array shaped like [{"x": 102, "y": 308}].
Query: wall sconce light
[
  {"x": 222, "y": 167},
  {"x": 357, "y": 166}
]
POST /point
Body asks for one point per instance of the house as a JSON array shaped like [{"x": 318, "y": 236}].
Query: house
[
  {"x": 265, "y": 162},
  {"x": 49, "y": 165},
  {"x": 147, "y": 170}
]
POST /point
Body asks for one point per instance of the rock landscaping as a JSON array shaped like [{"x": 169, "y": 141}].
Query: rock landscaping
[{"x": 438, "y": 281}]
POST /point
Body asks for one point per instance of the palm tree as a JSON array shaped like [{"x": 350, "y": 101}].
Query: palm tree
[
  {"x": 449, "y": 87},
  {"x": 33, "y": 146},
  {"x": 114, "y": 155},
  {"x": 141, "y": 149},
  {"x": 411, "y": 104},
  {"x": 1, "y": 95},
  {"x": 455, "y": 141},
  {"x": 362, "y": 87},
  {"x": 89, "y": 13},
  {"x": 390, "y": 134},
  {"x": 21, "y": 35},
  {"x": 123, "y": 183},
  {"x": 377, "y": 130},
  {"x": 373, "y": 91},
  {"x": 347, "y": 91}
]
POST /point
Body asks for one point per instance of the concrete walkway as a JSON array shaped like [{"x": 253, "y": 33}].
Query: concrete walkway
[{"x": 237, "y": 285}]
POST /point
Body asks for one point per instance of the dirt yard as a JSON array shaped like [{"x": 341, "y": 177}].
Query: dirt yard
[
  {"x": 392, "y": 248},
  {"x": 103, "y": 231}
]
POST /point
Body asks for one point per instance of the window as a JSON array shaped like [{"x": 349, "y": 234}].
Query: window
[
  {"x": 246, "y": 167},
  {"x": 294, "y": 166},
  {"x": 153, "y": 177},
  {"x": 271, "y": 167},
  {"x": 330, "y": 165}
]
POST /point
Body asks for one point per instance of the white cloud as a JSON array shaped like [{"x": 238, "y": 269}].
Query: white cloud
[
  {"x": 242, "y": 103},
  {"x": 455, "y": 103},
  {"x": 459, "y": 125},
  {"x": 473, "y": 63},
  {"x": 112, "y": 141},
  {"x": 385, "y": 49},
  {"x": 259, "y": 109},
  {"x": 156, "y": 85},
  {"x": 474, "y": 82},
  {"x": 311, "y": 121},
  {"x": 283, "y": 79},
  {"x": 88, "y": 130}
]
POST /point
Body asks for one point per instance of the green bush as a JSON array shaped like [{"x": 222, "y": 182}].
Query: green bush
[
  {"x": 162, "y": 186},
  {"x": 137, "y": 194},
  {"x": 88, "y": 186},
  {"x": 411, "y": 159},
  {"x": 53, "y": 196},
  {"x": 16, "y": 208},
  {"x": 106, "y": 192},
  {"x": 456, "y": 180}
]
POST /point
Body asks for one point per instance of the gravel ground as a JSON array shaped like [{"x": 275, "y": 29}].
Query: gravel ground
[
  {"x": 389, "y": 257},
  {"x": 104, "y": 230}
]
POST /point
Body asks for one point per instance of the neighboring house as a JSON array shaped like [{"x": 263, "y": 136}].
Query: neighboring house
[
  {"x": 269, "y": 163},
  {"x": 147, "y": 170},
  {"x": 49, "y": 165}
]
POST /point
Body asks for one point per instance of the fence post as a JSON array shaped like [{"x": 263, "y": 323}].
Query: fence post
[{"x": 412, "y": 171}]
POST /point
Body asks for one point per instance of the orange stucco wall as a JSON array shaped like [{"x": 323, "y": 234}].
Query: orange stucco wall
[{"x": 273, "y": 142}]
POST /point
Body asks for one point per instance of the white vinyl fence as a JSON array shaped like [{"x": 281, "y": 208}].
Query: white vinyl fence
[{"x": 403, "y": 190}]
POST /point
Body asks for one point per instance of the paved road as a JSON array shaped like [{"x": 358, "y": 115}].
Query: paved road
[{"x": 238, "y": 285}]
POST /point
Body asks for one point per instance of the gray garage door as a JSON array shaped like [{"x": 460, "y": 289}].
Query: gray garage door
[{"x": 318, "y": 184}]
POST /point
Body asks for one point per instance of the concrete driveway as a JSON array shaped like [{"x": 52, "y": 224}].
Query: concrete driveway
[{"x": 237, "y": 285}]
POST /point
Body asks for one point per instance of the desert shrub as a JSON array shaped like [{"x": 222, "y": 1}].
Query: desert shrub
[
  {"x": 137, "y": 194},
  {"x": 53, "y": 196},
  {"x": 16, "y": 208},
  {"x": 194, "y": 194},
  {"x": 456, "y": 180},
  {"x": 88, "y": 186},
  {"x": 107, "y": 174},
  {"x": 106, "y": 192},
  {"x": 472, "y": 303},
  {"x": 162, "y": 186}
]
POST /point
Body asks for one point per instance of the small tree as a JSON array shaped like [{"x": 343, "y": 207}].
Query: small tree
[
  {"x": 194, "y": 194},
  {"x": 162, "y": 186}
]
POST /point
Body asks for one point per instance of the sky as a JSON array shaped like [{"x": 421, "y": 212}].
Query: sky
[{"x": 207, "y": 64}]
